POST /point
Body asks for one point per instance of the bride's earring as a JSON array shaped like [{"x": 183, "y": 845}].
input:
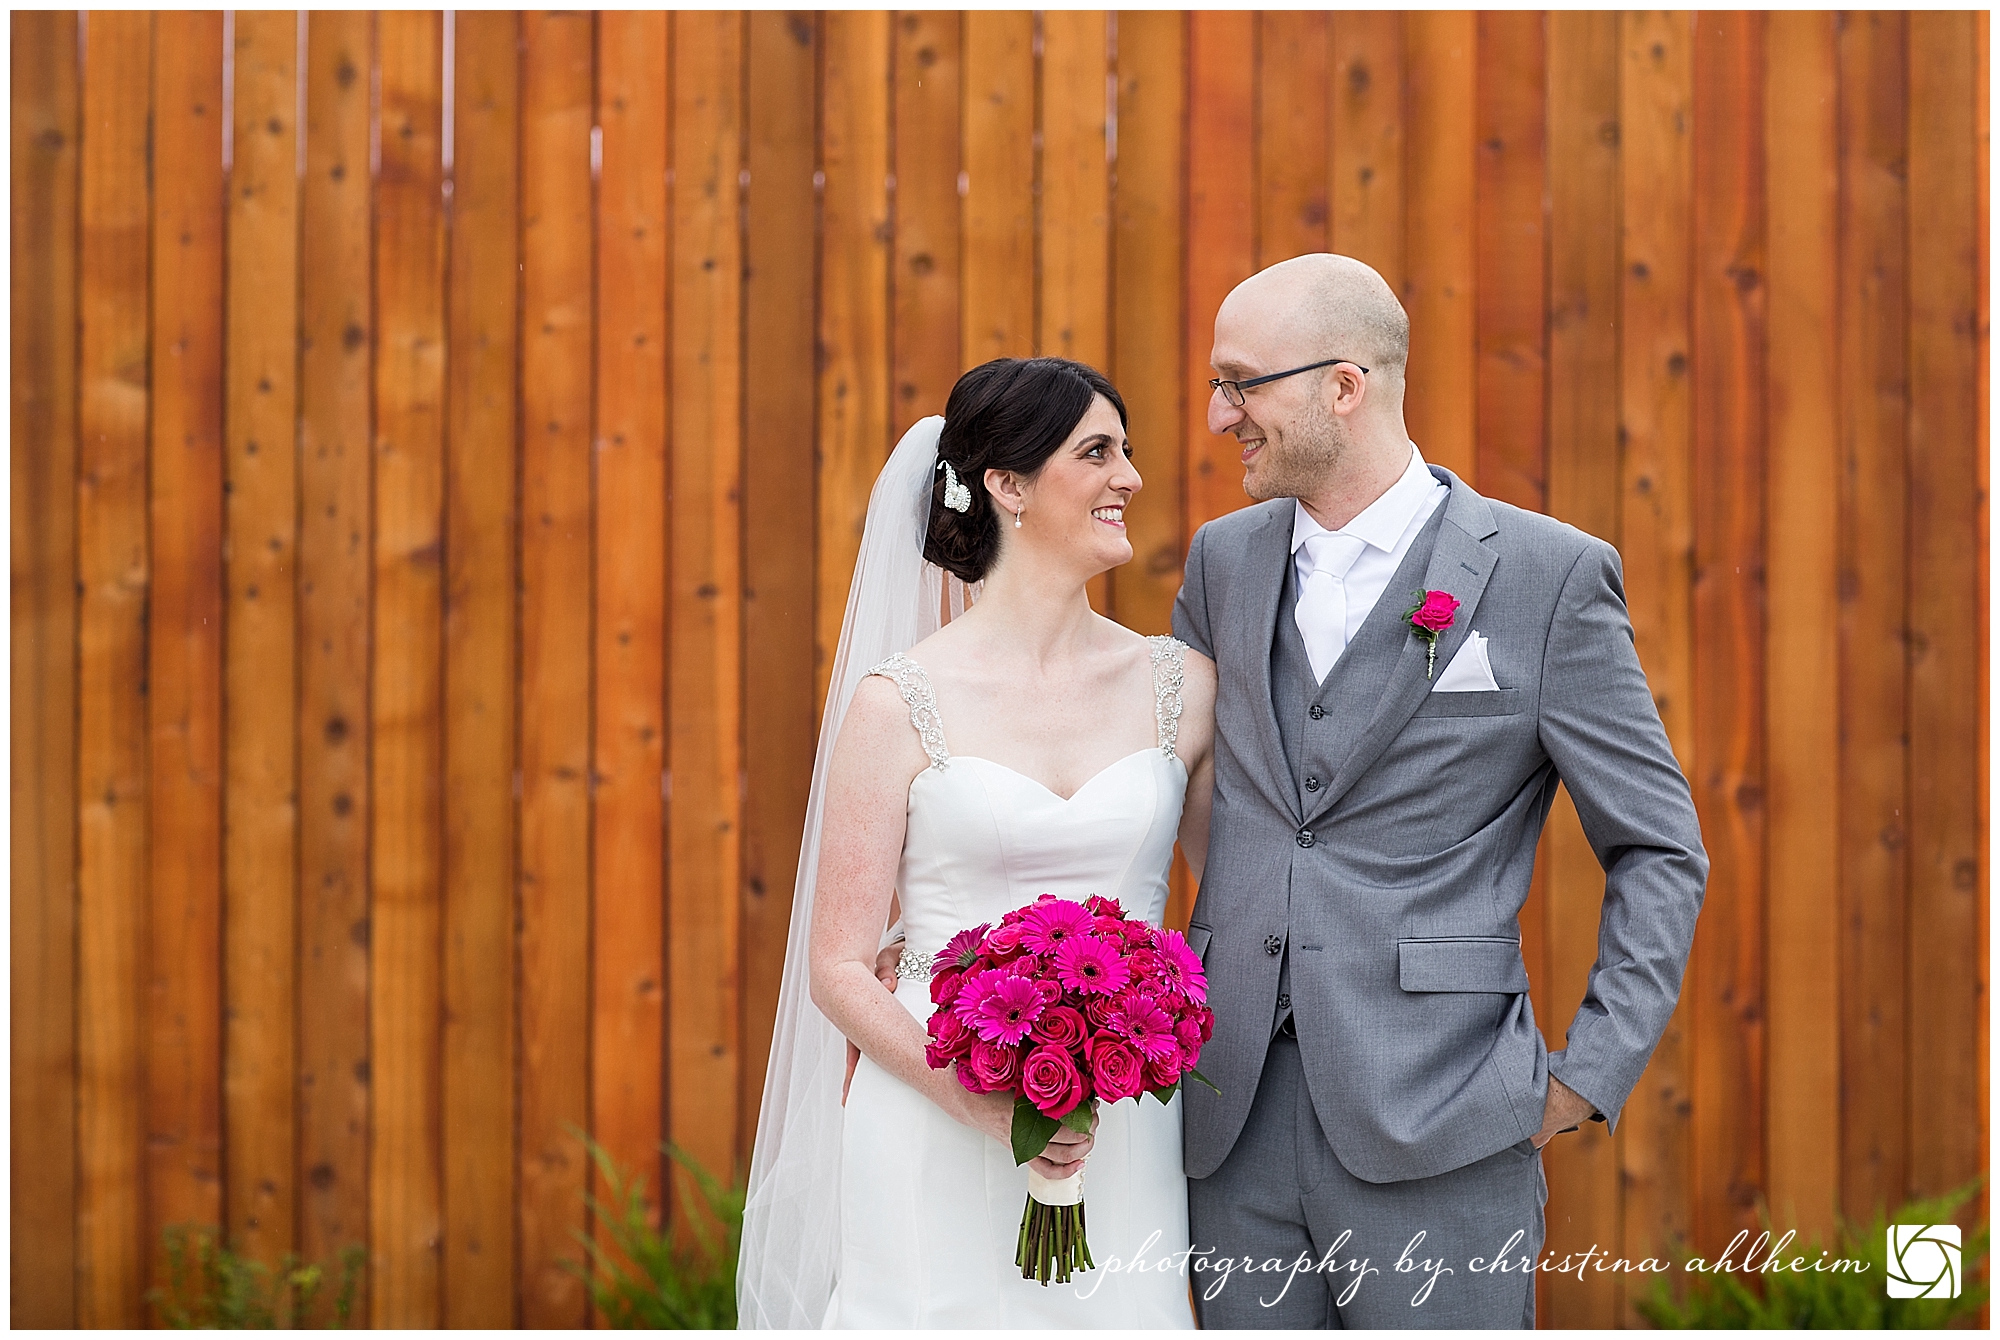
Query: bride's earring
[{"x": 1017, "y": 517}]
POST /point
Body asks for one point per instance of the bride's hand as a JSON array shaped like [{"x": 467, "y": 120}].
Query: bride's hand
[{"x": 994, "y": 1114}]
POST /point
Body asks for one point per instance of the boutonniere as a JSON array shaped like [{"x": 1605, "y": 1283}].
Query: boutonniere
[{"x": 1430, "y": 616}]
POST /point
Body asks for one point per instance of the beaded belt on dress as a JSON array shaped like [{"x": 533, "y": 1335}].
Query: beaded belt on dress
[{"x": 917, "y": 966}]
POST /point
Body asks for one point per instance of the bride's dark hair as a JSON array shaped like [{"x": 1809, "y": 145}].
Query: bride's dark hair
[{"x": 1009, "y": 414}]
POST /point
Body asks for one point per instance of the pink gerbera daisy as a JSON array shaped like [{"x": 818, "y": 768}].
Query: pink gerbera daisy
[
  {"x": 1051, "y": 921},
  {"x": 1141, "y": 1021},
  {"x": 962, "y": 948},
  {"x": 1182, "y": 966},
  {"x": 1087, "y": 964},
  {"x": 1006, "y": 1013}
]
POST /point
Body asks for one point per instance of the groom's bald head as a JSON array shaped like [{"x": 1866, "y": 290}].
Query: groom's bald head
[{"x": 1328, "y": 306}]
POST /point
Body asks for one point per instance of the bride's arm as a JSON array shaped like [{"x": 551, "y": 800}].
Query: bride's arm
[
  {"x": 1196, "y": 747},
  {"x": 861, "y": 844}
]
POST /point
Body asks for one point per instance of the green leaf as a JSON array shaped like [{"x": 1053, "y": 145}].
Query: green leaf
[
  {"x": 1078, "y": 1117},
  {"x": 1032, "y": 1130},
  {"x": 1203, "y": 1078},
  {"x": 1165, "y": 1093}
]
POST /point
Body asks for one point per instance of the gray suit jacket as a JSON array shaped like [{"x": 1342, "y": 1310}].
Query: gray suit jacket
[{"x": 1380, "y": 845}]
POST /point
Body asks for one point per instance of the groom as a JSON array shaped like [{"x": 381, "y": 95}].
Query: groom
[{"x": 1382, "y": 774}]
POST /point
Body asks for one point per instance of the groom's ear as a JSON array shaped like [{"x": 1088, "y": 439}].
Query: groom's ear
[{"x": 1344, "y": 389}]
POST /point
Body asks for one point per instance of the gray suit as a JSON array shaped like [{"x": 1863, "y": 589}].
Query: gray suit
[{"x": 1369, "y": 854}]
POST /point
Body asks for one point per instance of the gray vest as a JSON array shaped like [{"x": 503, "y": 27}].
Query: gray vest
[{"x": 1315, "y": 746}]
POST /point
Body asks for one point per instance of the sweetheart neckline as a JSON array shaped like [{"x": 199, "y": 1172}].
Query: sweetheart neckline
[{"x": 1043, "y": 787}]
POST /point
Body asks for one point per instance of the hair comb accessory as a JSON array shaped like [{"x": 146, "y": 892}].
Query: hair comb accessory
[{"x": 957, "y": 496}]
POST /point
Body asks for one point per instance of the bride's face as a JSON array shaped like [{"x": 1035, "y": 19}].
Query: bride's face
[{"x": 1075, "y": 505}]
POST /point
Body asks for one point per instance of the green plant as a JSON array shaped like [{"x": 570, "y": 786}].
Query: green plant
[
  {"x": 639, "y": 1276},
  {"x": 1828, "y": 1300},
  {"x": 212, "y": 1287}
]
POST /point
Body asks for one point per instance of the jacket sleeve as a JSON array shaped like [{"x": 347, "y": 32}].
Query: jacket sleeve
[
  {"x": 1191, "y": 605},
  {"x": 1602, "y": 731}
]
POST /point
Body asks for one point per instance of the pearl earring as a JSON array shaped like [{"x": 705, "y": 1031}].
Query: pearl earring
[{"x": 1017, "y": 518}]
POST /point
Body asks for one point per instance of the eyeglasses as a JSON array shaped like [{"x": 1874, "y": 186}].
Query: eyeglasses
[{"x": 1232, "y": 391}]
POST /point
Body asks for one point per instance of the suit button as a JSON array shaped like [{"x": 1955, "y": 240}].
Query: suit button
[
  {"x": 1284, "y": 1001},
  {"x": 1273, "y": 943},
  {"x": 1305, "y": 837},
  {"x": 1312, "y": 783},
  {"x": 1316, "y": 712}
]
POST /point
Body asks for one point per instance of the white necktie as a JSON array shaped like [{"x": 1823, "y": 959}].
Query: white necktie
[{"x": 1322, "y": 609}]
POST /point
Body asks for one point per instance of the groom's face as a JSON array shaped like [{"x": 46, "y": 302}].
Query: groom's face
[{"x": 1290, "y": 439}]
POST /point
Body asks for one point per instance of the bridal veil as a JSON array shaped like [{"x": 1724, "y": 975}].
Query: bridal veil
[{"x": 791, "y": 1217}]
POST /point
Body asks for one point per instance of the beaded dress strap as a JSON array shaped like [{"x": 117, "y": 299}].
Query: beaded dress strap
[
  {"x": 915, "y": 686},
  {"x": 1169, "y": 669}
]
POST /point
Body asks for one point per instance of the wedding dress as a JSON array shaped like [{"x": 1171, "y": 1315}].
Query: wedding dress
[
  {"x": 886, "y": 1211},
  {"x": 930, "y": 1208}
]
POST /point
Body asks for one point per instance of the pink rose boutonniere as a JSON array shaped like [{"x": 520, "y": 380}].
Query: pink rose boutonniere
[{"x": 1430, "y": 616}]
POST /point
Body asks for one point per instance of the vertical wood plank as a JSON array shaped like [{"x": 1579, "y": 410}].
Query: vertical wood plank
[
  {"x": 1149, "y": 321},
  {"x": 184, "y": 630},
  {"x": 1948, "y": 873},
  {"x": 1074, "y": 308},
  {"x": 1583, "y": 486},
  {"x": 406, "y": 759},
  {"x": 260, "y": 671},
  {"x": 1511, "y": 418},
  {"x": 112, "y": 587},
  {"x": 1982, "y": 157},
  {"x": 1802, "y": 646},
  {"x": 854, "y": 353},
  {"x": 333, "y": 611},
  {"x": 1440, "y": 256},
  {"x": 1873, "y": 397},
  {"x": 705, "y": 666},
  {"x": 1293, "y": 122},
  {"x": 1221, "y": 237},
  {"x": 1656, "y": 537},
  {"x": 478, "y": 1099},
  {"x": 42, "y": 922},
  {"x": 556, "y": 610},
  {"x": 999, "y": 185},
  {"x": 628, "y": 814},
  {"x": 1728, "y": 324},
  {"x": 926, "y": 268},
  {"x": 778, "y": 550},
  {"x": 1073, "y": 298},
  {"x": 1367, "y": 148}
]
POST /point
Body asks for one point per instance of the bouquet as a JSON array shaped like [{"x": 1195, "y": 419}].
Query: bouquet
[{"x": 1063, "y": 1005}]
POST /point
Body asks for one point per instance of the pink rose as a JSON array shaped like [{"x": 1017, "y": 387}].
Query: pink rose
[
  {"x": 1435, "y": 614},
  {"x": 1097, "y": 1009},
  {"x": 996, "y": 1065},
  {"x": 1004, "y": 940},
  {"x": 1061, "y": 1026},
  {"x": 1050, "y": 1081},
  {"x": 1115, "y": 1068},
  {"x": 949, "y": 1036},
  {"x": 944, "y": 986},
  {"x": 1163, "y": 1072}
]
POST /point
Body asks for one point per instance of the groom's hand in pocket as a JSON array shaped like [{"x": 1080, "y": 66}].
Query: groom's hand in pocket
[
  {"x": 885, "y": 973},
  {"x": 1565, "y": 1110}
]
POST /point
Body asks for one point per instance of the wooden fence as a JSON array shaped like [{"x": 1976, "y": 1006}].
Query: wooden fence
[{"x": 439, "y": 448}]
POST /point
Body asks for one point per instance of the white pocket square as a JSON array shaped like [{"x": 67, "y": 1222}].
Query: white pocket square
[{"x": 1469, "y": 671}]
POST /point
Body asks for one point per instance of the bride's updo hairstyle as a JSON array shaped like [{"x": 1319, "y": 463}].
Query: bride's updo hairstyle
[{"x": 1009, "y": 414}]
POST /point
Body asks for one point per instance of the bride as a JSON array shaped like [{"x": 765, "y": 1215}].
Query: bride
[{"x": 1027, "y": 746}]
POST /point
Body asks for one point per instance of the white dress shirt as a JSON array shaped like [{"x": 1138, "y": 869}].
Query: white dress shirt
[{"x": 1350, "y": 582}]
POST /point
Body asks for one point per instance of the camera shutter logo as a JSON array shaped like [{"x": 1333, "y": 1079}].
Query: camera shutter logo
[{"x": 1923, "y": 1261}]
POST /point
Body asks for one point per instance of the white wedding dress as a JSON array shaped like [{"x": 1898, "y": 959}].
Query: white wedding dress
[{"x": 930, "y": 1209}]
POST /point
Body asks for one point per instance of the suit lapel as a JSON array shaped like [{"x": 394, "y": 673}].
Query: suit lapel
[
  {"x": 1270, "y": 560},
  {"x": 1459, "y": 564}
]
